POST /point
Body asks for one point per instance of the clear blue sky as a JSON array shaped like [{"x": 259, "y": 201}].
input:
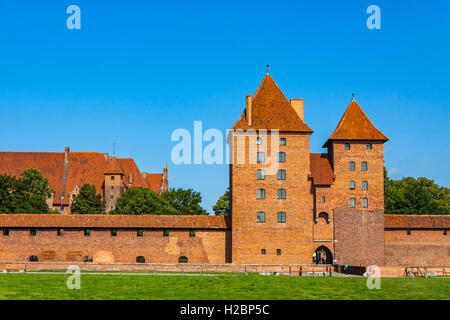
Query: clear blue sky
[{"x": 137, "y": 70}]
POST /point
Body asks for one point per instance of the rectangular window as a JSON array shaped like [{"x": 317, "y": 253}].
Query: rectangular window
[
  {"x": 352, "y": 185},
  {"x": 261, "y": 217},
  {"x": 281, "y": 174},
  {"x": 263, "y": 251},
  {"x": 347, "y": 146},
  {"x": 282, "y": 141},
  {"x": 364, "y": 166},
  {"x": 352, "y": 202},
  {"x": 32, "y": 232},
  {"x": 192, "y": 233},
  {"x": 6, "y": 232},
  {"x": 369, "y": 146},
  {"x": 281, "y": 193},
  {"x": 258, "y": 140},
  {"x": 260, "y": 174},
  {"x": 281, "y": 217},
  {"x": 140, "y": 233},
  {"x": 364, "y": 185},
  {"x": 87, "y": 232},
  {"x": 278, "y": 252},
  {"x": 166, "y": 233},
  {"x": 408, "y": 232},
  {"x": 261, "y": 194},
  {"x": 59, "y": 232},
  {"x": 281, "y": 157},
  {"x": 261, "y": 157},
  {"x": 351, "y": 166},
  {"x": 323, "y": 199},
  {"x": 112, "y": 178},
  {"x": 113, "y": 233},
  {"x": 445, "y": 232},
  {"x": 365, "y": 203}
]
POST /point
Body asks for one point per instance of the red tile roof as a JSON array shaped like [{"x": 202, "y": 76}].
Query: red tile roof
[
  {"x": 113, "y": 221},
  {"x": 356, "y": 125},
  {"x": 271, "y": 110},
  {"x": 320, "y": 169},
  {"x": 84, "y": 167},
  {"x": 406, "y": 221},
  {"x": 154, "y": 181}
]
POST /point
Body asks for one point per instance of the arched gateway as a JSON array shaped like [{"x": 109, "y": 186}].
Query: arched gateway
[{"x": 322, "y": 255}]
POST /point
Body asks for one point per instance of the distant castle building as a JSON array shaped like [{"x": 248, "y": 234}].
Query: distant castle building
[{"x": 68, "y": 171}]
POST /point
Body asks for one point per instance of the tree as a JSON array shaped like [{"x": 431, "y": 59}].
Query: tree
[
  {"x": 185, "y": 201},
  {"x": 87, "y": 201},
  {"x": 415, "y": 196},
  {"x": 142, "y": 201},
  {"x": 28, "y": 194},
  {"x": 222, "y": 206}
]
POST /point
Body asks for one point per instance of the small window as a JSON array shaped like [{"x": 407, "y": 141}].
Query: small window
[
  {"x": 258, "y": 140},
  {"x": 352, "y": 202},
  {"x": 32, "y": 232},
  {"x": 351, "y": 166},
  {"x": 87, "y": 232},
  {"x": 112, "y": 178},
  {"x": 261, "y": 194},
  {"x": 369, "y": 146},
  {"x": 347, "y": 146},
  {"x": 282, "y": 141},
  {"x": 182, "y": 259},
  {"x": 364, "y": 185},
  {"x": 33, "y": 259},
  {"x": 408, "y": 232},
  {"x": 281, "y": 174},
  {"x": 192, "y": 233},
  {"x": 261, "y": 157},
  {"x": 6, "y": 232},
  {"x": 261, "y": 217},
  {"x": 140, "y": 259},
  {"x": 364, "y": 166},
  {"x": 323, "y": 199},
  {"x": 113, "y": 233},
  {"x": 281, "y": 157},
  {"x": 445, "y": 232},
  {"x": 59, "y": 232},
  {"x": 166, "y": 233},
  {"x": 260, "y": 174},
  {"x": 87, "y": 259},
  {"x": 352, "y": 185},
  {"x": 278, "y": 252},
  {"x": 263, "y": 251},
  {"x": 365, "y": 203},
  {"x": 281, "y": 193},
  {"x": 281, "y": 217},
  {"x": 140, "y": 233}
]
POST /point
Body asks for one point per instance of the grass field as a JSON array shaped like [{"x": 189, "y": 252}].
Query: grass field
[{"x": 53, "y": 286}]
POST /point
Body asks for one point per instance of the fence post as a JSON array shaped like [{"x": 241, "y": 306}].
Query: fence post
[
  {"x": 245, "y": 269},
  {"x": 290, "y": 271}
]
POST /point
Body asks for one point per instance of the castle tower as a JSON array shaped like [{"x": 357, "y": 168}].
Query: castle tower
[
  {"x": 113, "y": 185},
  {"x": 272, "y": 206},
  {"x": 356, "y": 153}
]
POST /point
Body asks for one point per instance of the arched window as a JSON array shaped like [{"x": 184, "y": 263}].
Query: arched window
[
  {"x": 281, "y": 174},
  {"x": 364, "y": 166},
  {"x": 281, "y": 217},
  {"x": 281, "y": 157},
  {"x": 261, "y": 194},
  {"x": 281, "y": 193},
  {"x": 351, "y": 166},
  {"x": 260, "y": 174},
  {"x": 182, "y": 259},
  {"x": 140, "y": 259}
]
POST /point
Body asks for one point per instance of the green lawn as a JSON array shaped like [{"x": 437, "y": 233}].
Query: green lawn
[{"x": 236, "y": 286}]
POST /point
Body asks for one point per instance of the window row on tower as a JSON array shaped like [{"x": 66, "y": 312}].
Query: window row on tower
[
  {"x": 261, "y": 193},
  {"x": 261, "y": 174},
  {"x": 351, "y": 166},
  {"x": 261, "y": 217},
  {"x": 365, "y": 203}
]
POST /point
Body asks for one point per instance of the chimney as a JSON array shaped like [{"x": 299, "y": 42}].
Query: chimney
[
  {"x": 66, "y": 154},
  {"x": 297, "y": 104},
  {"x": 248, "y": 109}
]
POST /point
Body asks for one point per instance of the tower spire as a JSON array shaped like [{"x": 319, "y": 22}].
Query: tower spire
[
  {"x": 267, "y": 70},
  {"x": 353, "y": 97}
]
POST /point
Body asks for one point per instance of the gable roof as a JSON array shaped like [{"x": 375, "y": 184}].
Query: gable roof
[
  {"x": 271, "y": 110},
  {"x": 154, "y": 181},
  {"x": 320, "y": 169},
  {"x": 83, "y": 167},
  {"x": 355, "y": 125}
]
